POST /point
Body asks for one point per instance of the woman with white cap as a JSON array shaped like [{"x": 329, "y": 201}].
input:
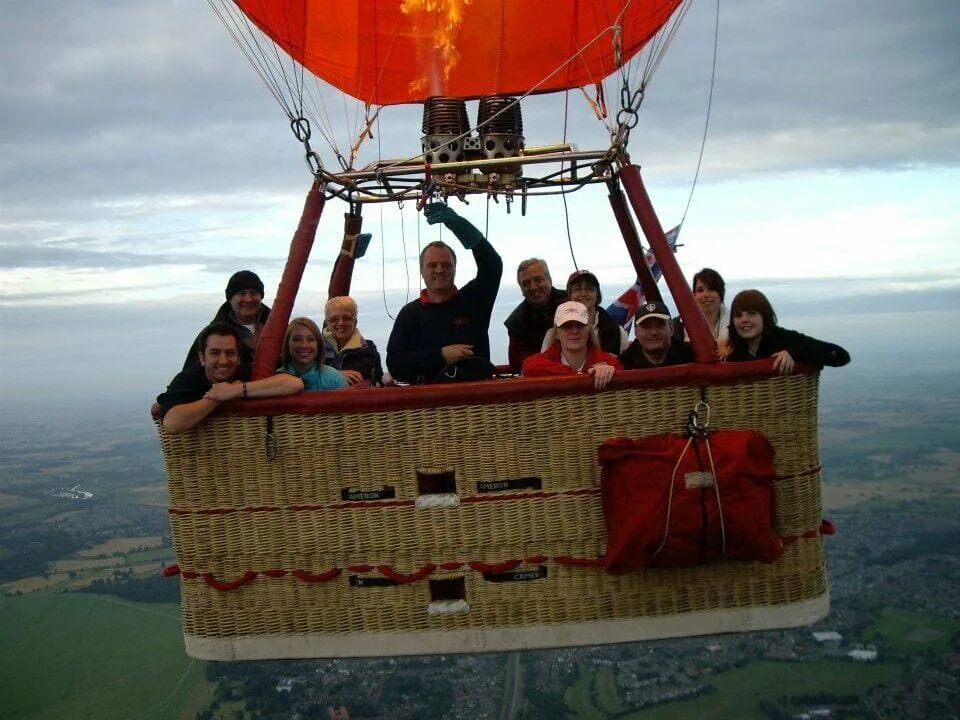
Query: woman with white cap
[{"x": 576, "y": 350}]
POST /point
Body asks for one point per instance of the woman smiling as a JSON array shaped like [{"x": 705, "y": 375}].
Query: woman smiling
[
  {"x": 301, "y": 357},
  {"x": 754, "y": 334}
]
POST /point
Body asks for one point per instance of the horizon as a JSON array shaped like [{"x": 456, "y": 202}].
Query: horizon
[{"x": 900, "y": 332}]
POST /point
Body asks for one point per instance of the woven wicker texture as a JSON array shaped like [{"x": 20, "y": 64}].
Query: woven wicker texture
[{"x": 234, "y": 511}]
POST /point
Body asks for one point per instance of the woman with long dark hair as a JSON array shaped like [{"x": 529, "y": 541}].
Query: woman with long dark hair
[{"x": 754, "y": 334}]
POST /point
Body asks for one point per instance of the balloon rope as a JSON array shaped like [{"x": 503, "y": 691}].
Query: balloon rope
[
  {"x": 566, "y": 210},
  {"x": 706, "y": 124}
]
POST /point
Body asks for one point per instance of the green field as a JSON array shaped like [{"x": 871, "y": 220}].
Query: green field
[
  {"x": 158, "y": 554},
  {"x": 737, "y": 693},
  {"x": 579, "y": 697},
  {"x": 909, "y": 632},
  {"x": 605, "y": 693},
  {"x": 94, "y": 656}
]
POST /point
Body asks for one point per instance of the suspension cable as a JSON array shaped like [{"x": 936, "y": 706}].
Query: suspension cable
[
  {"x": 566, "y": 209},
  {"x": 706, "y": 124}
]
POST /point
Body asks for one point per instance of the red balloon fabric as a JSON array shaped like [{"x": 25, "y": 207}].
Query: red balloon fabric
[{"x": 388, "y": 52}]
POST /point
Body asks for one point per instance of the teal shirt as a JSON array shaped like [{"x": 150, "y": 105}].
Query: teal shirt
[{"x": 319, "y": 377}]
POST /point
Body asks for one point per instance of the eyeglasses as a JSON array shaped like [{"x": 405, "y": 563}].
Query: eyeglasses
[{"x": 345, "y": 319}]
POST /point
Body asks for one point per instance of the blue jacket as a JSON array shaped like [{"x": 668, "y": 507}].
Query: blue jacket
[{"x": 319, "y": 377}]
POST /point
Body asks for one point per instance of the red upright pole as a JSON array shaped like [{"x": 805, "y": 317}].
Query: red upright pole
[
  {"x": 629, "y": 231},
  {"x": 267, "y": 358},
  {"x": 342, "y": 272},
  {"x": 702, "y": 340}
]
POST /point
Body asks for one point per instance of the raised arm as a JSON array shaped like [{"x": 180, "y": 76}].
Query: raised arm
[{"x": 489, "y": 264}]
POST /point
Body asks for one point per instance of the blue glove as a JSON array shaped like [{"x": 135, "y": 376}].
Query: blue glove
[{"x": 466, "y": 233}]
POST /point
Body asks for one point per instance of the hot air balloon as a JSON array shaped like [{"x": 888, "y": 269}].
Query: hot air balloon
[{"x": 472, "y": 517}]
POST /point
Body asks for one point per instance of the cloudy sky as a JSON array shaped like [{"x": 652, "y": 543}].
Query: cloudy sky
[{"x": 142, "y": 161}]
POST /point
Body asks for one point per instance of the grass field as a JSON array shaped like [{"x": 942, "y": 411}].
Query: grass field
[
  {"x": 93, "y": 656},
  {"x": 7, "y": 500},
  {"x": 737, "y": 692},
  {"x": 86, "y": 565},
  {"x": 579, "y": 698},
  {"x": 910, "y": 632},
  {"x": 121, "y": 545},
  {"x": 605, "y": 693}
]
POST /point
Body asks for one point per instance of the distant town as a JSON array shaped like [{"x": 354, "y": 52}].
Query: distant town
[{"x": 83, "y": 524}]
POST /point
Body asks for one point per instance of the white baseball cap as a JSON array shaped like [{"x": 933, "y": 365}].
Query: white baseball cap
[{"x": 571, "y": 311}]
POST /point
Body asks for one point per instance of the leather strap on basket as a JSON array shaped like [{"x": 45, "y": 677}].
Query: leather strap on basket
[{"x": 698, "y": 423}]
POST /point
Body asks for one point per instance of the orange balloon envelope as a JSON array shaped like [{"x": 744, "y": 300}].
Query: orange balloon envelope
[{"x": 388, "y": 52}]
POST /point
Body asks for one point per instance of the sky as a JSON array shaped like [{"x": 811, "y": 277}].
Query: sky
[{"x": 142, "y": 161}]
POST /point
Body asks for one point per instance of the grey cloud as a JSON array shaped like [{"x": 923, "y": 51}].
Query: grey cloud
[
  {"x": 47, "y": 256},
  {"x": 122, "y": 100}
]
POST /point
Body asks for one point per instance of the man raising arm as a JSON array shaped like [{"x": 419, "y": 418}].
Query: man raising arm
[
  {"x": 434, "y": 334},
  {"x": 220, "y": 376}
]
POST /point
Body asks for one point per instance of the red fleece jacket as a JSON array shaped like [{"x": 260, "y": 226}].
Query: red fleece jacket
[{"x": 548, "y": 363}]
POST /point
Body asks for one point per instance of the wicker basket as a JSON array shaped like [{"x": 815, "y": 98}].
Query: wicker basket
[{"x": 306, "y": 534}]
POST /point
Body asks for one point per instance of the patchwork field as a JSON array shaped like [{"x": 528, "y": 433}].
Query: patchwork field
[
  {"x": 911, "y": 632},
  {"x": 6, "y": 499},
  {"x": 737, "y": 693},
  {"x": 120, "y": 545}
]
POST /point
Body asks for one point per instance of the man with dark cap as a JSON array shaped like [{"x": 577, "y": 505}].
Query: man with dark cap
[
  {"x": 655, "y": 345},
  {"x": 244, "y": 310}
]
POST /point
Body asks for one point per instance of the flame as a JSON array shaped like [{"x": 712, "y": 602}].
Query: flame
[{"x": 447, "y": 16}]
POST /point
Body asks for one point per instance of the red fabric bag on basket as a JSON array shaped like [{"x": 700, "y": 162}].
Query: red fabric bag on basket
[{"x": 676, "y": 501}]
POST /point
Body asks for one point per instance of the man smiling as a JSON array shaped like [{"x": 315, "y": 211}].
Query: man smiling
[
  {"x": 219, "y": 376},
  {"x": 443, "y": 335},
  {"x": 655, "y": 345},
  {"x": 531, "y": 319},
  {"x": 244, "y": 310}
]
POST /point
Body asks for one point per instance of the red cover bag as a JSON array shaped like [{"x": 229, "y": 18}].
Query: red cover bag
[{"x": 675, "y": 501}]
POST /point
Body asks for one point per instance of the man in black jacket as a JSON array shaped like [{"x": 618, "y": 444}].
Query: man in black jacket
[
  {"x": 243, "y": 310},
  {"x": 655, "y": 345},
  {"x": 531, "y": 319},
  {"x": 216, "y": 376},
  {"x": 442, "y": 336}
]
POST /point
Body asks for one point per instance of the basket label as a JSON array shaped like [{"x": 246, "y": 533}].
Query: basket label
[
  {"x": 537, "y": 573},
  {"x": 698, "y": 480},
  {"x": 388, "y": 492},
  {"x": 375, "y": 581},
  {"x": 524, "y": 483}
]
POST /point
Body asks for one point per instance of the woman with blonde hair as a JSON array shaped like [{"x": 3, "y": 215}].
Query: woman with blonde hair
[
  {"x": 301, "y": 357},
  {"x": 345, "y": 349}
]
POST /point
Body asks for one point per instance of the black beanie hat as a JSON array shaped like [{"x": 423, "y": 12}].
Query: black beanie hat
[{"x": 243, "y": 280}]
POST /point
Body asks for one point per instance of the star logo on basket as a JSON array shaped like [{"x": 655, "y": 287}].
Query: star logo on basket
[{"x": 694, "y": 480}]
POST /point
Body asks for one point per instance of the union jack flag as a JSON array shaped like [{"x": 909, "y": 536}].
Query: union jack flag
[{"x": 625, "y": 307}]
